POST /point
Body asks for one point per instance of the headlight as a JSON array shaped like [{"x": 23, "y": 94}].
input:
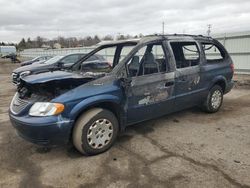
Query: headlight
[
  {"x": 46, "y": 109},
  {"x": 25, "y": 73}
]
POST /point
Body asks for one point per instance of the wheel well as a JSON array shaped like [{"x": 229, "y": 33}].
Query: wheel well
[
  {"x": 113, "y": 107},
  {"x": 222, "y": 84}
]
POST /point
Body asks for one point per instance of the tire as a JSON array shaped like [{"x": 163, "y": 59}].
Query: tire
[
  {"x": 211, "y": 106},
  {"x": 95, "y": 131}
]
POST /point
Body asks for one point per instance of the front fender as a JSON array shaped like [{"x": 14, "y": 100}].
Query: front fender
[{"x": 80, "y": 107}]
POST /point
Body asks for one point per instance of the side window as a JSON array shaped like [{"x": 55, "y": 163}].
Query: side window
[
  {"x": 70, "y": 59},
  {"x": 92, "y": 58},
  {"x": 149, "y": 59},
  {"x": 105, "y": 54},
  {"x": 186, "y": 54},
  {"x": 81, "y": 56},
  {"x": 213, "y": 52}
]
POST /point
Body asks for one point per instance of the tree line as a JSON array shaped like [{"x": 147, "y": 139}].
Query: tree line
[
  {"x": 6, "y": 44},
  {"x": 69, "y": 42}
]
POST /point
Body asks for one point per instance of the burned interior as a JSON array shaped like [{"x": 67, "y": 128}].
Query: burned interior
[{"x": 83, "y": 71}]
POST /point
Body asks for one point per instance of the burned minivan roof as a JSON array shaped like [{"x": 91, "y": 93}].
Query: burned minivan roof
[
  {"x": 177, "y": 37},
  {"x": 149, "y": 38}
]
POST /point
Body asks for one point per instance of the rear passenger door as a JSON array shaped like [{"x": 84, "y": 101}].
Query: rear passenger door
[
  {"x": 187, "y": 75},
  {"x": 150, "y": 93}
]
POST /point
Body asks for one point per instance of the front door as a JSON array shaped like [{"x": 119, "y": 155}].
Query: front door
[{"x": 150, "y": 93}]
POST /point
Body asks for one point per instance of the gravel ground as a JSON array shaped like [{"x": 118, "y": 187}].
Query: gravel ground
[{"x": 184, "y": 149}]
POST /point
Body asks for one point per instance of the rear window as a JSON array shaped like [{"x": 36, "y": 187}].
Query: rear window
[{"x": 212, "y": 52}]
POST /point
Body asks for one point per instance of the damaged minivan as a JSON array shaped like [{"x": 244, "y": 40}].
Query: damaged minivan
[{"x": 90, "y": 103}]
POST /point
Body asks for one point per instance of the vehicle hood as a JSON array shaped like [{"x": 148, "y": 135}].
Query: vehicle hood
[
  {"x": 50, "y": 76},
  {"x": 49, "y": 85},
  {"x": 107, "y": 85},
  {"x": 26, "y": 62},
  {"x": 32, "y": 67}
]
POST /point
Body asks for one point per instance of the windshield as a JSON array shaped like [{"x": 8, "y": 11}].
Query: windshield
[
  {"x": 105, "y": 58},
  {"x": 53, "y": 60}
]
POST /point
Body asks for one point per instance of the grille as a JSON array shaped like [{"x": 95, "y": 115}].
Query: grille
[
  {"x": 15, "y": 78},
  {"x": 17, "y": 104}
]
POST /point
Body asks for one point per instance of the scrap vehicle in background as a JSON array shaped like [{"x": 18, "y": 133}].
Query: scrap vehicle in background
[
  {"x": 90, "y": 104},
  {"x": 38, "y": 59},
  {"x": 54, "y": 63},
  {"x": 13, "y": 58},
  {"x": 6, "y": 51}
]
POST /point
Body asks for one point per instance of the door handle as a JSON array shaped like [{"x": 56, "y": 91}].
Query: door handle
[{"x": 168, "y": 84}]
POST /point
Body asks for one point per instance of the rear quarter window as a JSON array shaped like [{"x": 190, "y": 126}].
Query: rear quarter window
[{"x": 213, "y": 52}]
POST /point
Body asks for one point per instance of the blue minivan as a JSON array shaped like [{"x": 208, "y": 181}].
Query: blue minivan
[{"x": 89, "y": 104}]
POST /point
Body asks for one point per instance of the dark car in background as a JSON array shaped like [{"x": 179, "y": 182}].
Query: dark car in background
[
  {"x": 38, "y": 59},
  {"x": 54, "y": 63},
  {"x": 89, "y": 105}
]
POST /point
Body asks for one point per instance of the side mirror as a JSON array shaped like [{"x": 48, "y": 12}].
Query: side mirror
[
  {"x": 60, "y": 64},
  {"x": 84, "y": 65}
]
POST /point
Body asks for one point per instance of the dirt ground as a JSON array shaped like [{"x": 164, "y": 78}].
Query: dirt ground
[{"x": 185, "y": 149}]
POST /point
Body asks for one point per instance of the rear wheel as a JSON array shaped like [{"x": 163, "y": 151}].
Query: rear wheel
[
  {"x": 95, "y": 131},
  {"x": 214, "y": 99}
]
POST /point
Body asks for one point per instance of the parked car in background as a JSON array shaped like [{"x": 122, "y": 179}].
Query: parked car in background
[
  {"x": 55, "y": 63},
  {"x": 89, "y": 105},
  {"x": 38, "y": 59},
  {"x": 52, "y": 64},
  {"x": 12, "y": 57},
  {"x": 5, "y": 51}
]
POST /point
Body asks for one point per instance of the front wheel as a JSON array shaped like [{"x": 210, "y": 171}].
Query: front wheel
[
  {"x": 95, "y": 131},
  {"x": 214, "y": 100}
]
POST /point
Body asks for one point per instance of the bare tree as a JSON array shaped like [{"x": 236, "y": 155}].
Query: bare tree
[{"x": 108, "y": 37}]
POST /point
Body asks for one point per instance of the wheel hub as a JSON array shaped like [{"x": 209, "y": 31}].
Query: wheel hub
[
  {"x": 100, "y": 133},
  {"x": 216, "y": 99}
]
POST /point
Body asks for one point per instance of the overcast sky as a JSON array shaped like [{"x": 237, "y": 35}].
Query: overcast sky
[{"x": 79, "y": 18}]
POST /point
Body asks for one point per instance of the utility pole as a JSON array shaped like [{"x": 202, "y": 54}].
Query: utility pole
[
  {"x": 163, "y": 27},
  {"x": 209, "y": 26}
]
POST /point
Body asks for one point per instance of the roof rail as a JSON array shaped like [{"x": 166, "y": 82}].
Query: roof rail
[{"x": 175, "y": 34}]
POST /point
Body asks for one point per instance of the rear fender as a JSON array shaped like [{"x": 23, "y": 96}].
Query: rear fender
[{"x": 216, "y": 80}]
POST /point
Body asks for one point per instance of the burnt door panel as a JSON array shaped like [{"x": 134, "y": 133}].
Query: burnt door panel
[
  {"x": 150, "y": 96},
  {"x": 187, "y": 87}
]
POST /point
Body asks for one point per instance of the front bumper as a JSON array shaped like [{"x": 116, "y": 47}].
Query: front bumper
[{"x": 46, "y": 131}]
